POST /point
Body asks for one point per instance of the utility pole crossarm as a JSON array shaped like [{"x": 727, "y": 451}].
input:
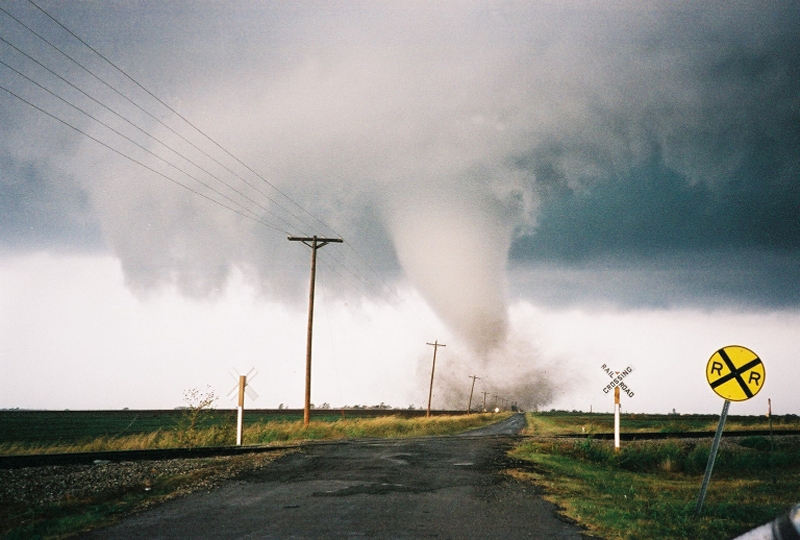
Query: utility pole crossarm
[{"x": 315, "y": 242}]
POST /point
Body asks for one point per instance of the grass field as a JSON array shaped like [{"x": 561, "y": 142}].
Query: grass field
[
  {"x": 29, "y": 432},
  {"x": 566, "y": 423},
  {"x": 51, "y": 427},
  {"x": 648, "y": 490}
]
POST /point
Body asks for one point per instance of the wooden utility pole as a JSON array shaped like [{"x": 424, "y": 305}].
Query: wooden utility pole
[
  {"x": 484, "y": 400},
  {"x": 435, "y": 346},
  {"x": 314, "y": 243},
  {"x": 474, "y": 378}
]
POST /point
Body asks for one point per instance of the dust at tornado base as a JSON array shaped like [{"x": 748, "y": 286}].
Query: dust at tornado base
[{"x": 436, "y": 487}]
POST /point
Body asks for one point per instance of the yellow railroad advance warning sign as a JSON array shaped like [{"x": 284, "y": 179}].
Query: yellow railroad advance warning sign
[{"x": 735, "y": 373}]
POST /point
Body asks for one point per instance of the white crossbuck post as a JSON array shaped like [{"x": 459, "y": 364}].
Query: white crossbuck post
[
  {"x": 243, "y": 388},
  {"x": 240, "y": 419},
  {"x": 616, "y": 419}
]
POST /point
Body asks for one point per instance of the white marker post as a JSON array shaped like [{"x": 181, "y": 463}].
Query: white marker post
[
  {"x": 243, "y": 388},
  {"x": 616, "y": 419},
  {"x": 240, "y": 419}
]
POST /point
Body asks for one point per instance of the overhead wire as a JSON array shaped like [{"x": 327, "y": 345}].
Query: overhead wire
[
  {"x": 375, "y": 293},
  {"x": 147, "y": 150},
  {"x": 134, "y": 160},
  {"x": 126, "y": 98},
  {"x": 189, "y": 123},
  {"x": 129, "y": 122}
]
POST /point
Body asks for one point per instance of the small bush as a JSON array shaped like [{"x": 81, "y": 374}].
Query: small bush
[
  {"x": 756, "y": 443},
  {"x": 196, "y": 424}
]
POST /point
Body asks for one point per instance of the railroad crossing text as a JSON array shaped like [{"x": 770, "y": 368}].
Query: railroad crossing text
[{"x": 616, "y": 380}]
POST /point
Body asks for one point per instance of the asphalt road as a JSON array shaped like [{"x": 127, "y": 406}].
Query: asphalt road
[{"x": 434, "y": 487}]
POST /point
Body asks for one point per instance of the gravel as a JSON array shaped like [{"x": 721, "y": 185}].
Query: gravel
[{"x": 23, "y": 490}]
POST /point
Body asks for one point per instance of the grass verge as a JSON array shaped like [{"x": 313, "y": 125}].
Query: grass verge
[
  {"x": 270, "y": 432},
  {"x": 648, "y": 490},
  {"x": 566, "y": 423},
  {"x": 383, "y": 427}
]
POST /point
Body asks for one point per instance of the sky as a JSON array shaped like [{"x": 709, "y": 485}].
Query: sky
[{"x": 544, "y": 188}]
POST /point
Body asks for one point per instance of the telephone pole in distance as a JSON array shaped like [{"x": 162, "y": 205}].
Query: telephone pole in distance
[
  {"x": 435, "y": 346},
  {"x": 314, "y": 242},
  {"x": 474, "y": 378}
]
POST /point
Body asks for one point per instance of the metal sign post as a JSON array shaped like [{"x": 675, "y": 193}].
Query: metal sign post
[
  {"x": 712, "y": 457},
  {"x": 734, "y": 373}
]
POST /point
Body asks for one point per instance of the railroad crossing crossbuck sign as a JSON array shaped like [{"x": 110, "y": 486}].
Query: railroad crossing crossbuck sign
[{"x": 735, "y": 373}]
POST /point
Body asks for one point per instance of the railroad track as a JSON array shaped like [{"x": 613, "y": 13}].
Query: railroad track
[{"x": 88, "y": 458}]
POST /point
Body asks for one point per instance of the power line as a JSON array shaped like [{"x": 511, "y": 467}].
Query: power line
[
  {"x": 129, "y": 122},
  {"x": 189, "y": 123},
  {"x": 129, "y": 100},
  {"x": 160, "y": 158},
  {"x": 134, "y": 160}
]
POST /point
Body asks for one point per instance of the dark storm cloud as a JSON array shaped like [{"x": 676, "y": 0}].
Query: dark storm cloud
[
  {"x": 707, "y": 209},
  {"x": 38, "y": 212},
  {"x": 653, "y": 211}
]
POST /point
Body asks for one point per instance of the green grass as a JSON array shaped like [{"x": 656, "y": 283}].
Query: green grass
[
  {"x": 648, "y": 490},
  {"x": 71, "y": 427},
  {"x": 566, "y": 423},
  {"x": 385, "y": 427},
  {"x": 214, "y": 429}
]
